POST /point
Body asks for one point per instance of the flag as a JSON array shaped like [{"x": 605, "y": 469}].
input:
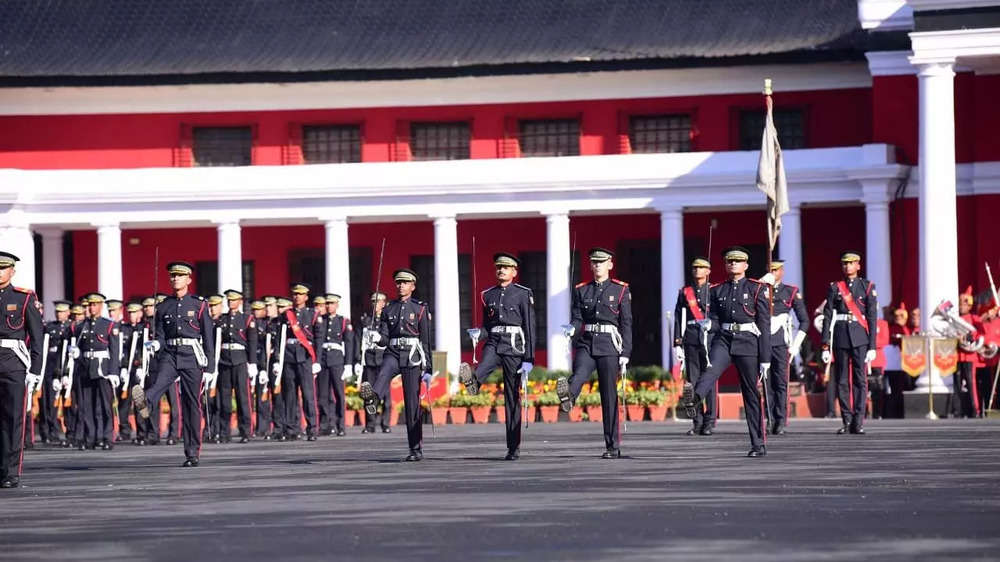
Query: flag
[{"x": 771, "y": 177}]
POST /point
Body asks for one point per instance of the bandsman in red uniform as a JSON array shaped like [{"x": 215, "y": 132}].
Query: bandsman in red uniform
[{"x": 986, "y": 374}]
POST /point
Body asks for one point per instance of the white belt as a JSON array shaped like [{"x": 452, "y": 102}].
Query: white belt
[
  {"x": 183, "y": 341},
  {"x": 782, "y": 323},
  {"x": 736, "y": 328},
  {"x": 103, "y": 354},
  {"x": 416, "y": 350},
  {"x": 20, "y": 349},
  {"x": 844, "y": 317},
  {"x": 334, "y": 345},
  {"x": 233, "y": 346},
  {"x": 195, "y": 343},
  {"x": 292, "y": 341},
  {"x": 515, "y": 332},
  {"x": 616, "y": 336},
  {"x": 692, "y": 322}
]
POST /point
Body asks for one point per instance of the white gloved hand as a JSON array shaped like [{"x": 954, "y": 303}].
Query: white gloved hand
[
  {"x": 706, "y": 325},
  {"x": 372, "y": 337},
  {"x": 568, "y": 330},
  {"x": 316, "y": 369},
  {"x": 123, "y": 374},
  {"x": 800, "y": 336},
  {"x": 526, "y": 367},
  {"x": 870, "y": 355},
  {"x": 31, "y": 381},
  {"x": 74, "y": 352},
  {"x": 114, "y": 380},
  {"x": 139, "y": 374},
  {"x": 208, "y": 379},
  {"x": 826, "y": 356},
  {"x": 358, "y": 369},
  {"x": 622, "y": 363},
  {"x": 251, "y": 371},
  {"x": 678, "y": 354},
  {"x": 764, "y": 368},
  {"x": 276, "y": 369},
  {"x": 56, "y": 385},
  {"x": 346, "y": 374},
  {"x": 152, "y": 345},
  {"x": 262, "y": 378},
  {"x": 65, "y": 382}
]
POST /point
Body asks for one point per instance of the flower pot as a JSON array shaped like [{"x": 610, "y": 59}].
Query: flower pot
[
  {"x": 658, "y": 412},
  {"x": 576, "y": 413},
  {"x": 457, "y": 415},
  {"x": 636, "y": 412},
  {"x": 439, "y": 416},
  {"x": 595, "y": 413},
  {"x": 532, "y": 414},
  {"x": 480, "y": 414},
  {"x": 501, "y": 414},
  {"x": 550, "y": 414}
]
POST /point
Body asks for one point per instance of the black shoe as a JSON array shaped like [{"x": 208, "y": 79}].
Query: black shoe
[
  {"x": 830, "y": 415},
  {"x": 565, "y": 398},
  {"x": 513, "y": 455},
  {"x": 779, "y": 430},
  {"x": 281, "y": 437},
  {"x": 29, "y": 445},
  {"x": 267, "y": 437},
  {"x": 139, "y": 442},
  {"x": 689, "y": 401},
  {"x": 191, "y": 462},
  {"x": 414, "y": 456},
  {"x": 857, "y": 430},
  {"x": 612, "y": 454},
  {"x": 466, "y": 377},
  {"x": 81, "y": 447},
  {"x": 153, "y": 442},
  {"x": 692, "y": 431},
  {"x": 706, "y": 430},
  {"x": 311, "y": 438},
  {"x": 843, "y": 429},
  {"x": 107, "y": 446},
  {"x": 367, "y": 393},
  {"x": 64, "y": 443},
  {"x": 10, "y": 482},
  {"x": 244, "y": 439},
  {"x": 368, "y": 430},
  {"x": 340, "y": 433},
  {"x": 171, "y": 441},
  {"x": 140, "y": 403},
  {"x": 386, "y": 430},
  {"x": 757, "y": 452}
]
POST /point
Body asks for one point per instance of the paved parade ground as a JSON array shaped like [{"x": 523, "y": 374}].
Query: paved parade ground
[{"x": 907, "y": 490}]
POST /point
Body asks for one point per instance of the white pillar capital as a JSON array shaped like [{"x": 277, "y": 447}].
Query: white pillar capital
[{"x": 936, "y": 68}]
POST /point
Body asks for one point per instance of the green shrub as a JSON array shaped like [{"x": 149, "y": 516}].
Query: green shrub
[
  {"x": 547, "y": 399},
  {"x": 588, "y": 399}
]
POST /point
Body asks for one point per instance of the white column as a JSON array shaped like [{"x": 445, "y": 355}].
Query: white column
[
  {"x": 672, "y": 268},
  {"x": 937, "y": 215},
  {"x": 230, "y": 255},
  {"x": 790, "y": 244},
  {"x": 447, "y": 324},
  {"x": 109, "y": 260},
  {"x": 338, "y": 263},
  {"x": 53, "y": 283},
  {"x": 16, "y": 238},
  {"x": 557, "y": 286},
  {"x": 877, "y": 261}
]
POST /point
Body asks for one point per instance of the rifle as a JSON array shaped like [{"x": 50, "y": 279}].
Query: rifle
[
  {"x": 281, "y": 357},
  {"x": 371, "y": 322},
  {"x": 60, "y": 371},
  {"x": 267, "y": 363},
  {"x": 146, "y": 355}
]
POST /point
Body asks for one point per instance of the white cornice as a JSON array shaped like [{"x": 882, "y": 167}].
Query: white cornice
[
  {"x": 930, "y": 47},
  {"x": 431, "y": 92},
  {"x": 885, "y": 15},
  {"x": 890, "y": 63},
  {"x": 928, "y": 5}
]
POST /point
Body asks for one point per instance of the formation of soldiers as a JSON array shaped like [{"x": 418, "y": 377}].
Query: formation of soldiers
[{"x": 285, "y": 362}]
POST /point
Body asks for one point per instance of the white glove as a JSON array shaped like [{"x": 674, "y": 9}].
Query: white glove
[
  {"x": 372, "y": 337},
  {"x": 262, "y": 378},
  {"x": 622, "y": 363},
  {"x": 123, "y": 374},
  {"x": 426, "y": 378},
  {"x": 705, "y": 324},
  {"x": 139, "y": 374},
  {"x": 152, "y": 345},
  {"x": 568, "y": 330},
  {"x": 678, "y": 354},
  {"x": 870, "y": 355},
  {"x": 114, "y": 380},
  {"x": 800, "y": 336},
  {"x": 346, "y": 375},
  {"x": 526, "y": 367},
  {"x": 358, "y": 369},
  {"x": 826, "y": 356},
  {"x": 31, "y": 381},
  {"x": 316, "y": 368},
  {"x": 65, "y": 382},
  {"x": 56, "y": 385},
  {"x": 74, "y": 352},
  {"x": 252, "y": 371},
  {"x": 276, "y": 369},
  {"x": 208, "y": 379},
  {"x": 764, "y": 368}
]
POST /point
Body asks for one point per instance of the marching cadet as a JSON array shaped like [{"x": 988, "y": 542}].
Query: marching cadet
[
  {"x": 97, "y": 357},
  {"x": 237, "y": 365},
  {"x": 185, "y": 348},
  {"x": 280, "y": 306},
  {"x": 71, "y": 391},
  {"x": 849, "y": 339},
  {"x": 261, "y": 402},
  {"x": 324, "y": 399},
  {"x": 740, "y": 324},
  {"x": 369, "y": 362},
  {"x": 601, "y": 320},
  {"x": 213, "y": 431},
  {"x": 335, "y": 344},
  {"x": 298, "y": 368},
  {"x": 20, "y": 366},
  {"x": 691, "y": 342},
  {"x": 405, "y": 329},
  {"x": 509, "y": 324},
  {"x": 48, "y": 415},
  {"x": 130, "y": 334},
  {"x": 787, "y": 300}
]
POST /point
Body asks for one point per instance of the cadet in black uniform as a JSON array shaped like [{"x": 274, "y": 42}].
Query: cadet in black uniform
[
  {"x": 370, "y": 356},
  {"x": 185, "y": 349},
  {"x": 261, "y": 400},
  {"x": 20, "y": 365},
  {"x": 97, "y": 366},
  {"x": 405, "y": 329},
  {"x": 691, "y": 342},
  {"x": 299, "y": 367},
  {"x": 130, "y": 336},
  {"x": 281, "y": 305},
  {"x": 213, "y": 430},
  {"x": 509, "y": 324},
  {"x": 787, "y": 300},
  {"x": 740, "y": 319},
  {"x": 601, "y": 322},
  {"x": 335, "y": 344},
  {"x": 237, "y": 365},
  {"x": 850, "y": 316},
  {"x": 48, "y": 415},
  {"x": 70, "y": 390}
]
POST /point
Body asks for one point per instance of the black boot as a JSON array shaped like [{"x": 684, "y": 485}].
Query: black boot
[
  {"x": 565, "y": 398},
  {"x": 513, "y": 455},
  {"x": 414, "y": 456},
  {"x": 757, "y": 452},
  {"x": 689, "y": 400},
  {"x": 467, "y": 378},
  {"x": 612, "y": 453},
  {"x": 367, "y": 393}
]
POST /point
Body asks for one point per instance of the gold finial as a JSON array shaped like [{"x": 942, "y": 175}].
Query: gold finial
[{"x": 767, "y": 86}]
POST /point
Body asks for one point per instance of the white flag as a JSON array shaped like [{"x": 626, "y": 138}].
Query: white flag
[{"x": 771, "y": 177}]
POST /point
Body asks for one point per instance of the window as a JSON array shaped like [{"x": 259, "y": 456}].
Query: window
[
  {"x": 559, "y": 137},
  {"x": 423, "y": 266},
  {"x": 660, "y": 133},
  {"x": 466, "y": 300},
  {"x": 327, "y": 144},
  {"x": 790, "y": 124},
  {"x": 206, "y": 280},
  {"x": 439, "y": 141},
  {"x": 533, "y": 274},
  {"x": 222, "y": 146}
]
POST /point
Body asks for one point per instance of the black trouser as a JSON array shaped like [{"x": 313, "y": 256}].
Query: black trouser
[
  {"x": 984, "y": 378},
  {"x": 776, "y": 387},
  {"x": 87, "y": 410},
  {"x": 277, "y": 405},
  {"x": 964, "y": 377},
  {"x": 298, "y": 377},
  {"x": 48, "y": 414},
  {"x": 71, "y": 414},
  {"x": 411, "y": 394},
  {"x": 234, "y": 378},
  {"x": 748, "y": 367},
  {"x": 369, "y": 375},
  {"x": 336, "y": 404},
  {"x": 852, "y": 383},
  {"x": 190, "y": 403},
  {"x": 695, "y": 363},
  {"x": 262, "y": 406},
  {"x": 13, "y": 403},
  {"x": 607, "y": 378},
  {"x": 876, "y": 384},
  {"x": 105, "y": 410},
  {"x": 511, "y": 365}
]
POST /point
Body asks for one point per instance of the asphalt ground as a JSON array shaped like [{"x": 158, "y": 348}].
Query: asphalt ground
[{"x": 908, "y": 490}]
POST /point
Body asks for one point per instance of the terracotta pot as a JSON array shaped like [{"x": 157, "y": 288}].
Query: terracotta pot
[
  {"x": 658, "y": 413},
  {"x": 576, "y": 413},
  {"x": 501, "y": 414},
  {"x": 532, "y": 414},
  {"x": 439, "y": 416},
  {"x": 550, "y": 414},
  {"x": 457, "y": 415},
  {"x": 635, "y": 412},
  {"x": 480, "y": 414},
  {"x": 595, "y": 413}
]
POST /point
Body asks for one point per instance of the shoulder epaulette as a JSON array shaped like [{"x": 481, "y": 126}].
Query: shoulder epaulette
[
  {"x": 578, "y": 285},
  {"x": 522, "y": 286},
  {"x": 199, "y": 297},
  {"x": 23, "y": 290},
  {"x": 757, "y": 281},
  {"x": 619, "y": 282},
  {"x": 713, "y": 285}
]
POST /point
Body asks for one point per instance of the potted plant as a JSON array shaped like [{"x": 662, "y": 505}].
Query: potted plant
[
  {"x": 479, "y": 406},
  {"x": 656, "y": 404},
  {"x": 458, "y": 409},
  {"x": 591, "y": 403},
  {"x": 354, "y": 404},
  {"x": 500, "y": 404},
  {"x": 633, "y": 406},
  {"x": 439, "y": 410},
  {"x": 548, "y": 404}
]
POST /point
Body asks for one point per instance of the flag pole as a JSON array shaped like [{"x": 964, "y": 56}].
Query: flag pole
[{"x": 770, "y": 242}]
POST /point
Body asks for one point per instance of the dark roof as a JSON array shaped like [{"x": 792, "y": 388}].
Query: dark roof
[{"x": 186, "y": 38}]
